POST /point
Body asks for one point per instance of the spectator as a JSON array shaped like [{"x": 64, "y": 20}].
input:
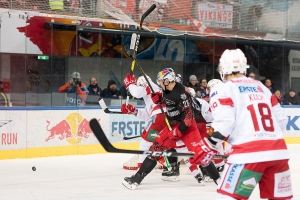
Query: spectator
[
  {"x": 111, "y": 90},
  {"x": 93, "y": 88},
  {"x": 278, "y": 96},
  {"x": 124, "y": 93},
  {"x": 268, "y": 84},
  {"x": 291, "y": 98},
  {"x": 193, "y": 83},
  {"x": 3, "y": 97},
  {"x": 252, "y": 75},
  {"x": 94, "y": 92},
  {"x": 76, "y": 91},
  {"x": 203, "y": 89}
]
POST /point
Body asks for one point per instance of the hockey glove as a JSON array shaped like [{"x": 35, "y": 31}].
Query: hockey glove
[
  {"x": 127, "y": 109},
  {"x": 204, "y": 153},
  {"x": 157, "y": 97},
  {"x": 175, "y": 134},
  {"x": 129, "y": 79}
]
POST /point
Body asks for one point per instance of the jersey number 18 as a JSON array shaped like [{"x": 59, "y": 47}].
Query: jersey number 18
[{"x": 265, "y": 116}]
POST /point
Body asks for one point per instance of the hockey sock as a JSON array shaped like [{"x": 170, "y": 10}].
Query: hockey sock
[
  {"x": 172, "y": 159},
  {"x": 212, "y": 171},
  {"x": 147, "y": 166}
]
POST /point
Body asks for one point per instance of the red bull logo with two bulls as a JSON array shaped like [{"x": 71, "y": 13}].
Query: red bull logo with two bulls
[{"x": 72, "y": 129}]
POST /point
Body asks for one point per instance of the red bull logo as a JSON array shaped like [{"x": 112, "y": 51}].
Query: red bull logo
[{"x": 73, "y": 129}]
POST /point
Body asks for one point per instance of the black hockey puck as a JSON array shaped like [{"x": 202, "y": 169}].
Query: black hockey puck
[{"x": 33, "y": 168}]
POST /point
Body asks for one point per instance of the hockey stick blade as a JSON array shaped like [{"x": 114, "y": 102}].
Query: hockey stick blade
[
  {"x": 101, "y": 137},
  {"x": 123, "y": 137},
  {"x": 118, "y": 135},
  {"x": 129, "y": 138},
  {"x": 105, "y": 109}
]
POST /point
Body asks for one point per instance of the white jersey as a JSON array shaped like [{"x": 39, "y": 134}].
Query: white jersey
[
  {"x": 245, "y": 112},
  {"x": 145, "y": 93},
  {"x": 205, "y": 110}
]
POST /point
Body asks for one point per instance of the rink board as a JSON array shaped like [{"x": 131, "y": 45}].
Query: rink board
[{"x": 47, "y": 131}]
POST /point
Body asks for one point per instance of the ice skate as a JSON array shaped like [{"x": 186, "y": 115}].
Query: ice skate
[
  {"x": 220, "y": 169},
  {"x": 200, "y": 179},
  {"x": 173, "y": 174},
  {"x": 206, "y": 177},
  {"x": 131, "y": 164},
  {"x": 134, "y": 181}
]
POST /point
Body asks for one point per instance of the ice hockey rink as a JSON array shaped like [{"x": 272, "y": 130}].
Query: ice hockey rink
[{"x": 99, "y": 176}]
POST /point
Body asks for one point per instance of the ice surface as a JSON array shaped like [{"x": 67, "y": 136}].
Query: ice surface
[{"x": 100, "y": 176}]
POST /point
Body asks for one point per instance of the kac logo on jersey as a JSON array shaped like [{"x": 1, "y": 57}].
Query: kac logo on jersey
[{"x": 250, "y": 89}]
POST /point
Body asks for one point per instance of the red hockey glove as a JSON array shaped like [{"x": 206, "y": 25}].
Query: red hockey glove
[
  {"x": 129, "y": 79},
  {"x": 163, "y": 139},
  {"x": 156, "y": 97},
  {"x": 175, "y": 134},
  {"x": 128, "y": 109},
  {"x": 204, "y": 153}
]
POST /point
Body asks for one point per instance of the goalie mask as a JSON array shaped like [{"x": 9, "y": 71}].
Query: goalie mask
[
  {"x": 141, "y": 81},
  {"x": 232, "y": 61}
]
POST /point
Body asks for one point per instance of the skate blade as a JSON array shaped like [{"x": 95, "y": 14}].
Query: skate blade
[
  {"x": 170, "y": 178},
  {"x": 129, "y": 186},
  {"x": 201, "y": 183},
  {"x": 207, "y": 179}
]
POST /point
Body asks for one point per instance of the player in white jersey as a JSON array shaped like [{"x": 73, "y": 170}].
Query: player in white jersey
[
  {"x": 204, "y": 118},
  {"x": 245, "y": 113},
  {"x": 151, "y": 113}
]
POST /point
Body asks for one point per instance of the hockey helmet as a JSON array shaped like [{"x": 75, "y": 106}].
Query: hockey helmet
[
  {"x": 166, "y": 73},
  {"x": 212, "y": 83},
  {"x": 232, "y": 61}
]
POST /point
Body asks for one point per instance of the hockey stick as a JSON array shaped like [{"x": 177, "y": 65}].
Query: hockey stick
[
  {"x": 159, "y": 104},
  {"x": 124, "y": 137},
  {"x": 134, "y": 43},
  {"x": 101, "y": 137},
  {"x": 105, "y": 109}
]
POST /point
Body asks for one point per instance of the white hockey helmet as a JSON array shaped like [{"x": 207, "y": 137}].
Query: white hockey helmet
[
  {"x": 141, "y": 81},
  {"x": 166, "y": 73},
  {"x": 232, "y": 61},
  {"x": 212, "y": 83}
]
